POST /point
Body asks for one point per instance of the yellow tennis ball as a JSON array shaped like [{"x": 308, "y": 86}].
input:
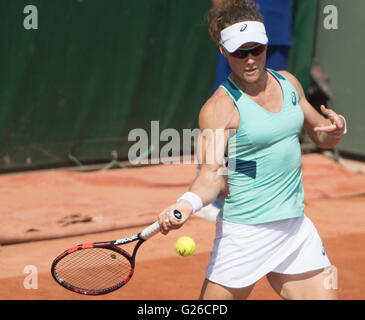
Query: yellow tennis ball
[{"x": 185, "y": 246}]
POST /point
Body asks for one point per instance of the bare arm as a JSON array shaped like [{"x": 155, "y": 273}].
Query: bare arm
[
  {"x": 216, "y": 118},
  {"x": 214, "y": 122},
  {"x": 325, "y": 133}
]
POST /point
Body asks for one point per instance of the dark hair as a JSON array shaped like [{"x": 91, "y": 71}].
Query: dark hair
[{"x": 229, "y": 13}]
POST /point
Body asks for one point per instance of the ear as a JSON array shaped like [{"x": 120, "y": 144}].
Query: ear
[{"x": 222, "y": 51}]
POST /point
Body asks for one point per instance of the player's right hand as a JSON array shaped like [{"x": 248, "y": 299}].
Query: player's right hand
[{"x": 167, "y": 222}]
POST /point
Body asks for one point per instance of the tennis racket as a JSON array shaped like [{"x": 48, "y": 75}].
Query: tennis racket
[{"x": 101, "y": 267}]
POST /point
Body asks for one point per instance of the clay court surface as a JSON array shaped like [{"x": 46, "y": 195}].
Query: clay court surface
[{"x": 42, "y": 213}]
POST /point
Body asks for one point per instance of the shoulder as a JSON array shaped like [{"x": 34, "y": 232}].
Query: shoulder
[
  {"x": 219, "y": 111},
  {"x": 307, "y": 108},
  {"x": 294, "y": 81}
]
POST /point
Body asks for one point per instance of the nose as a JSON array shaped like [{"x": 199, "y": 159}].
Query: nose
[{"x": 250, "y": 59}]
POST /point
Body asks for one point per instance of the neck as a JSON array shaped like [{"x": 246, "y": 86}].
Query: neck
[{"x": 252, "y": 88}]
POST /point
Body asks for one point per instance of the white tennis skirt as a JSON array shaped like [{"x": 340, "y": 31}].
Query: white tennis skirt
[{"x": 242, "y": 254}]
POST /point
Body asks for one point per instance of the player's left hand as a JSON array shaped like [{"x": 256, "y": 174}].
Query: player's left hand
[{"x": 337, "y": 127}]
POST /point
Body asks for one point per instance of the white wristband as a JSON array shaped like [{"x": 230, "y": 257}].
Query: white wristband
[
  {"x": 194, "y": 200},
  {"x": 344, "y": 120}
]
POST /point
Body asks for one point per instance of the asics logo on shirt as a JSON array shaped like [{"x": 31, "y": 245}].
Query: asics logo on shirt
[{"x": 294, "y": 98}]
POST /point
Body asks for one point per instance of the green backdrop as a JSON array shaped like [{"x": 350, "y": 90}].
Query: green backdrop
[
  {"x": 303, "y": 40},
  {"x": 93, "y": 71}
]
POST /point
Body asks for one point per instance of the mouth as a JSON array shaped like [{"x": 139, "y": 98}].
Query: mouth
[{"x": 250, "y": 71}]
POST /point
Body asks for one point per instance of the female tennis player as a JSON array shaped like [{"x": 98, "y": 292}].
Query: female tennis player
[{"x": 261, "y": 229}]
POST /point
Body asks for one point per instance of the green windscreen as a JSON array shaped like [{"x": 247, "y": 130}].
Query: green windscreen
[{"x": 94, "y": 70}]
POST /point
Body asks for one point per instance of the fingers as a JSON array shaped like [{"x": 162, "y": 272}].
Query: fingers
[
  {"x": 336, "y": 120},
  {"x": 164, "y": 223},
  {"x": 324, "y": 110},
  {"x": 168, "y": 221},
  {"x": 337, "y": 126},
  {"x": 330, "y": 128}
]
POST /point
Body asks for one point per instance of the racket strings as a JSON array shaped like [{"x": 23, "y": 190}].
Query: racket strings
[{"x": 93, "y": 269}]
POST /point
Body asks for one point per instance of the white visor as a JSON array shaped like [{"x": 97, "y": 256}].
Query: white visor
[{"x": 241, "y": 33}]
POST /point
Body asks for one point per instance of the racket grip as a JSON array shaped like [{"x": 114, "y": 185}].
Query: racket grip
[
  {"x": 150, "y": 231},
  {"x": 154, "y": 228}
]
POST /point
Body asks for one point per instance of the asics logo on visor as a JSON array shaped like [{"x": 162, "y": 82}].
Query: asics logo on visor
[{"x": 244, "y": 27}]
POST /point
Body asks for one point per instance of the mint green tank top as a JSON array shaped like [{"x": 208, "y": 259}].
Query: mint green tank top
[{"x": 264, "y": 159}]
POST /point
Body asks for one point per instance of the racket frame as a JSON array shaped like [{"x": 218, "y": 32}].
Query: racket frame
[
  {"x": 109, "y": 245},
  {"x": 113, "y": 246}
]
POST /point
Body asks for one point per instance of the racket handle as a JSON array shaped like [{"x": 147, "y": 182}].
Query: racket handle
[
  {"x": 176, "y": 214},
  {"x": 154, "y": 228}
]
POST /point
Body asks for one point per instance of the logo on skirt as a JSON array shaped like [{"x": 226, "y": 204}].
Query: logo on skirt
[{"x": 323, "y": 252}]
